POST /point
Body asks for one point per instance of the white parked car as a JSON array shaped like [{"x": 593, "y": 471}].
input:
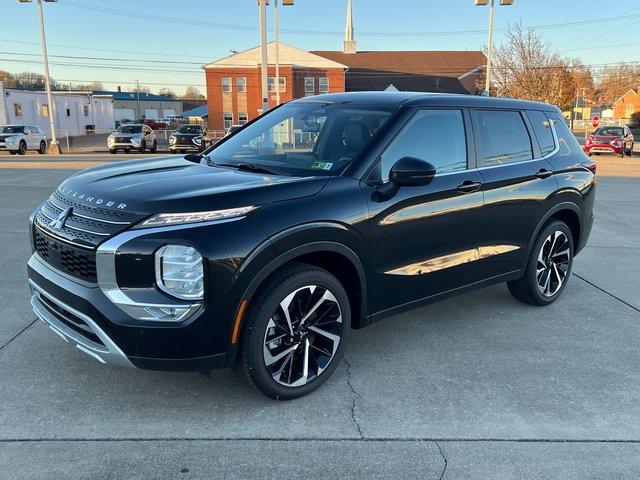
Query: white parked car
[
  {"x": 132, "y": 136},
  {"x": 20, "y": 138}
]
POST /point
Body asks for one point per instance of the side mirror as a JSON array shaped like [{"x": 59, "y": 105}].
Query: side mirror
[
  {"x": 193, "y": 158},
  {"x": 411, "y": 172}
]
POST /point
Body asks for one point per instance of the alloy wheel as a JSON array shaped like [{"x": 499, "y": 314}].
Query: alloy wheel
[
  {"x": 302, "y": 336},
  {"x": 553, "y": 263}
]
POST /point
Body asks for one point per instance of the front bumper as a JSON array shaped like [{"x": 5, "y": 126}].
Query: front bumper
[
  {"x": 82, "y": 315},
  {"x": 602, "y": 148}
]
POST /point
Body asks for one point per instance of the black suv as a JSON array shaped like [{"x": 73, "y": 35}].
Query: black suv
[
  {"x": 187, "y": 138},
  {"x": 321, "y": 216}
]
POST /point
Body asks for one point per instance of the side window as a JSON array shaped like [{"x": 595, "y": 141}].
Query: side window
[
  {"x": 436, "y": 136},
  {"x": 542, "y": 130},
  {"x": 566, "y": 139},
  {"x": 503, "y": 137}
]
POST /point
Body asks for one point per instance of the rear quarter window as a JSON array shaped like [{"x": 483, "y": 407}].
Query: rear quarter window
[
  {"x": 542, "y": 130},
  {"x": 567, "y": 141}
]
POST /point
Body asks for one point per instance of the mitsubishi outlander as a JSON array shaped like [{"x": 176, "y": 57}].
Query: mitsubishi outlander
[{"x": 325, "y": 214}]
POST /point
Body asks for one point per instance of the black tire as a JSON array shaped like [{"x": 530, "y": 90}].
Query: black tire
[
  {"x": 12, "y": 152},
  {"x": 127, "y": 150},
  {"x": 113, "y": 150},
  {"x": 22, "y": 148},
  {"x": 43, "y": 148},
  {"x": 143, "y": 146},
  {"x": 183, "y": 151},
  {"x": 527, "y": 288},
  {"x": 265, "y": 309},
  {"x": 154, "y": 147}
]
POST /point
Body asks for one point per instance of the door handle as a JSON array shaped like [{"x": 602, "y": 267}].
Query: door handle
[
  {"x": 469, "y": 186},
  {"x": 544, "y": 173}
]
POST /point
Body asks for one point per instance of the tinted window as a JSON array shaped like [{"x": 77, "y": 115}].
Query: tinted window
[
  {"x": 617, "y": 131},
  {"x": 503, "y": 137},
  {"x": 129, "y": 129},
  {"x": 12, "y": 129},
  {"x": 190, "y": 129},
  {"x": 566, "y": 139},
  {"x": 436, "y": 136},
  {"x": 542, "y": 130}
]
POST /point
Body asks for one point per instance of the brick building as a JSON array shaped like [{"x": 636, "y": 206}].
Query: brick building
[
  {"x": 234, "y": 82},
  {"x": 627, "y": 105}
]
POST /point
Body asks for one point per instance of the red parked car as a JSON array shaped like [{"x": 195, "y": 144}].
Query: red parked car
[
  {"x": 618, "y": 140},
  {"x": 155, "y": 125}
]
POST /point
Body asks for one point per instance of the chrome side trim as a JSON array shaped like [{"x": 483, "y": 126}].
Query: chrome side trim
[
  {"x": 452, "y": 260},
  {"x": 107, "y": 353}
]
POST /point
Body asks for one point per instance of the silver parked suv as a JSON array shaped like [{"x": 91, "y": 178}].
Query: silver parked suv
[
  {"x": 20, "y": 138},
  {"x": 132, "y": 136}
]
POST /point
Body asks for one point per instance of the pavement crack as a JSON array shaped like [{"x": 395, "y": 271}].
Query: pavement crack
[
  {"x": 446, "y": 463},
  {"x": 354, "y": 397},
  {"x": 18, "y": 334},
  {"x": 607, "y": 292}
]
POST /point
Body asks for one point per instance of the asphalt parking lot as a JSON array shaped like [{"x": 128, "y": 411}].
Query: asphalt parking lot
[{"x": 478, "y": 386}]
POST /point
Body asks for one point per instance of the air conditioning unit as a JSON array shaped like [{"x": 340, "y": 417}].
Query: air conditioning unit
[
  {"x": 506, "y": 2},
  {"x": 480, "y": 3}
]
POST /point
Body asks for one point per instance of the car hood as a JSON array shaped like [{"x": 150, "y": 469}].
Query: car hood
[
  {"x": 125, "y": 135},
  {"x": 176, "y": 185}
]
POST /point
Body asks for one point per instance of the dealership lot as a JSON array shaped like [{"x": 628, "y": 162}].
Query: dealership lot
[{"x": 471, "y": 387}]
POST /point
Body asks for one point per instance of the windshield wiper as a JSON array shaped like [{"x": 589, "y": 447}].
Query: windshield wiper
[{"x": 248, "y": 167}]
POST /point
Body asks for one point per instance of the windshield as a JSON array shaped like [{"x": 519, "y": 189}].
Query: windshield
[
  {"x": 189, "y": 129},
  {"x": 303, "y": 138},
  {"x": 12, "y": 129},
  {"x": 129, "y": 129},
  {"x": 618, "y": 131}
]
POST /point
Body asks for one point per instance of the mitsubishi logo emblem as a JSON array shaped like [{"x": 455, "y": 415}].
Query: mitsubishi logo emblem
[{"x": 58, "y": 223}]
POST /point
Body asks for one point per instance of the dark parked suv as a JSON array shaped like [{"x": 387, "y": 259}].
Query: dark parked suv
[{"x": 323, "y": 215}]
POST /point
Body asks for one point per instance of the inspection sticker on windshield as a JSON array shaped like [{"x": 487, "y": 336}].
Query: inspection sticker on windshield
[{"x": 322, "y": 165}]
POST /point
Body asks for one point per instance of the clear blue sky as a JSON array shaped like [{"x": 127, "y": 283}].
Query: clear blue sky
[{"x": 193, "y": 32}]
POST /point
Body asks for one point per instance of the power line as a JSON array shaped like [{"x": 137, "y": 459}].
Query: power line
[{"x": 239, "y": 27}]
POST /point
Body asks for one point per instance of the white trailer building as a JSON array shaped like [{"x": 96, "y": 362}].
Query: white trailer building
[{"x": 76, "y": 113}]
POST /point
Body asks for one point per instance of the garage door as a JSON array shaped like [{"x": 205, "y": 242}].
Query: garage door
[
  {"x": 169, "y": 112},
  {"x": 151, "y": 113},
  {"x": 124, "y": 114}
]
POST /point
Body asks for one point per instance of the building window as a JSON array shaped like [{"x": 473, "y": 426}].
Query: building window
[
  {"x": 271, "y": 82},
  {"x": 44, "y": 110},
  {"x": 226, "y": 84},
  {"x": 85, "y": 109},
  {"x": 228, "y": 120},
  {"x": 309, "y": 86},
  {"x": 17, "y": 109},
  {"x": 323, "y": 85},
  {"x": 68, "y": 111},
  {"x": 242, "y": 118},
  {"x": 241, "y": 82}
]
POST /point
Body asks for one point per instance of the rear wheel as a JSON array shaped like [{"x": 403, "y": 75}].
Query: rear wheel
[
  {"x": 294, "y": 332},
  {"x": 43, "y": 148},
  {"x": 113, "y": 150},
  {"x": 22, "y": 148},
  {"x": 548, "y": 268}
]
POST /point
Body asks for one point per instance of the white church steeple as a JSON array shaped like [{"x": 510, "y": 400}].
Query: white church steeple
[{"x": 349, "y": 44}]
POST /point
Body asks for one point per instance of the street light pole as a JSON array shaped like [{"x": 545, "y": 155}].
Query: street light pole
[
  {"x": 263, "y": 48},
  {"x": 54, "y": 146},
  {"x": 489, "y": 72},
  {"x": 487, "y": 84}
]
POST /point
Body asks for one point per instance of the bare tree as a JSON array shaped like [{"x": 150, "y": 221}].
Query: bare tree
[
  {"x": 7, "y": 79},
  {"x": 526, "y": 67},
  {"x": 192, "y": 92},
  {"x": 167, "y": 92},
  {"x": 614, "y": 81}
]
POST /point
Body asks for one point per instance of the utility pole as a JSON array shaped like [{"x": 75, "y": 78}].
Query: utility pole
[
  {"x": 277, "y": 38},
  {"x": 262, "y": 5},
  {"x": 54, "y": 146}
]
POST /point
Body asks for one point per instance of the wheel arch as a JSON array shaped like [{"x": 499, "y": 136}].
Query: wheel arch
[
  {"x": 337, "y": 258},
  {"x": 565, "y": 211}
]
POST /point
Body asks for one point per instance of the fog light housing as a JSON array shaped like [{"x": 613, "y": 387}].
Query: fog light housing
[{"x": 179, "y": 272}]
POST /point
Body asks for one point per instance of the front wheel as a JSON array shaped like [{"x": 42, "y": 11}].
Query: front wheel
[
  {"x": 43, "y": 148},
  {"x": 548, "y": 268},
  {"x": 143, "y": 147},
  {"x": 294, "y": 332},
  {"x": 22, "y": 148},
  {"x": 154, "y": 147}
]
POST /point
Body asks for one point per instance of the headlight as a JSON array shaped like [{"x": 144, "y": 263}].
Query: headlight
[
  {"x": 110, "y": 139},
  {"x": 172, "y": 139},
  {"x": 197, "y": 140},
  {"x": 179, "y": 271},
  {"x": 162, "y": 219}
]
